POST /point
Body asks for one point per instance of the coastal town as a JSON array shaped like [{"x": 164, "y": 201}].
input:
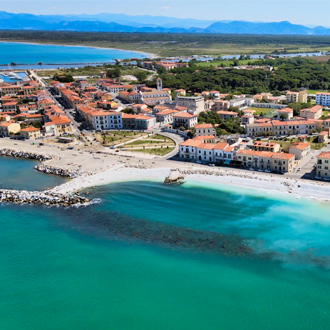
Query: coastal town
[
  {"x": 176, "y": 125},
  {"x": 164, "y": 165}
]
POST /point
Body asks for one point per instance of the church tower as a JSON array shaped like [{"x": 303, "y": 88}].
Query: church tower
[{"x": 159, "y": 84}]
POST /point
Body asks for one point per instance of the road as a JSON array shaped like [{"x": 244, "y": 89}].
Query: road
[
  {"x": 66, "y": 107},
  {"x": 34, "y": 76}
]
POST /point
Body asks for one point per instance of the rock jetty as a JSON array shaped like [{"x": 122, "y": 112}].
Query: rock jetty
[
  {"x": 57, "y": 171},
  {"x": 40, "y": 198},
  {"x": 24, "y": 154}
]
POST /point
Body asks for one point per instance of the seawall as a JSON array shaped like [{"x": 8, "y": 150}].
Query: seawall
[
  {"x": 25, "y": 154},
  {"x": 40, "y": 198}
]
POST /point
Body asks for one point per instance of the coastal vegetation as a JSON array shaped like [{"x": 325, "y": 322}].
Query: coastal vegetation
[
  {"x": 290, "y": 74},
  {"x": 222, "y": 126},
  {"x": 170, "y": 44}
]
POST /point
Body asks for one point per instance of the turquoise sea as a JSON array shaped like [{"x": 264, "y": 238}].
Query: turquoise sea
[
  {"x": 153, "y": 256},
  {"x": 16, "y": 173},
  {"x": 32, "y": 54}
]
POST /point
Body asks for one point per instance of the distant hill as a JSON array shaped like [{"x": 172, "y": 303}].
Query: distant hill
[{"x": 149, "y": 24}]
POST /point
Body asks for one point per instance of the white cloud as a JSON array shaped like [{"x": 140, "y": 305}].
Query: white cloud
[{"x": 166, "y": 8}]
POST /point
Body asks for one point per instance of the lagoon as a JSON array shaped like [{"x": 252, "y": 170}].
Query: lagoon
[
  {"x": 31, "y": 54},
  {"x": 108, "y": 267}
]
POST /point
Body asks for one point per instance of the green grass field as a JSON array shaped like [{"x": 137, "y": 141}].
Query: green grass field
[
  {"x": 313, "y": 91},
  {"x": 157, "y": 152},
  {"x": 285, "y": 145},
  {"x": 224, "y": 62},
  {"x": 266, "y": 111}
]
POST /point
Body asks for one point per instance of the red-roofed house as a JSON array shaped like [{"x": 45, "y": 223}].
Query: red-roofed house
[
  {"x": 300, "y": 150},
  {"x": 30, "y": 133}
]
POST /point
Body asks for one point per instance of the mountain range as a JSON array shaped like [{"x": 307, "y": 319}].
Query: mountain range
[{"x": 147, "y": 24}]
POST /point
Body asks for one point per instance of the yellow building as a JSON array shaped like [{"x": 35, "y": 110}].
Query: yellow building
[
  {"x": 30, "y": 133},
  {"x": 8, "y": 128},
  {"x": 323, "y": 165},
  {"x": 294, "y": 97}
]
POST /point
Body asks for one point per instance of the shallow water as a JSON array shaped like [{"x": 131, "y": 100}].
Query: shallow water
[
  {"x": 106, "y": 267},
  {"x": 19, "y": 174}
]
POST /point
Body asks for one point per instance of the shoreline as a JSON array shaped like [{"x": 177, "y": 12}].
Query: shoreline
[
  {"x": 100, "y": 166},
  {"x": 264, "y": 186},
  {"x": 152, "y": 55}
]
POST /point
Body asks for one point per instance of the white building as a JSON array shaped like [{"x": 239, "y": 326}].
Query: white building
[
  {"x": 185, "y": 120},
  {"x": 195, "y": 104},
  {"x": 102, "y": 120},
  {"x": 204, "y": 129}
]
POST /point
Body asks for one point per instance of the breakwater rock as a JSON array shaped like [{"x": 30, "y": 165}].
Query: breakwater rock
[
  {"x": 174, "y": 177},
  {"x": 40, "y": 198},
  {"x": 57, "y": 171},
  {"x": 24, "y": 154}
]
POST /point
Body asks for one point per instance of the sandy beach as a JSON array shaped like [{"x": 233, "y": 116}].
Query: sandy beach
[
  {"x": 265, "y": 184},
  {"x": 99, "y": 166}
]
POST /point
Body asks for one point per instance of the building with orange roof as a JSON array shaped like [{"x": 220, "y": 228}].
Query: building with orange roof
[
  {"x": 287, "y": 113},
  {"x": 266, "y": 146},
  {"x": 184, "y": 119},
  {"x": 279, "y": 128},
  {"x": 156, "y": 96},
  {"x": 294, "y": 97},
  {"x": 9, "y": 106},
  {"x": 221, "y": 152},
  {"x": 301, "y": 150},
  {"x": 8, "y": 128},
  {"x": 100, "y": 119},
  {"x": 166, "y": 117},
  {"x": 248, "y": 118},
  {"x": 227, "y": 114},
  {"x": 30, "y": 133},
  {"x": 266, "y": 160},
  {"x": 145, "y": 122},
  {"x": 188, "y": 149},
  {"x": 205, "y": 152},
  {"x": 205, "y": 138},
  {"x": 204, "y": 129},
  {"x": 314, "y": 112},
  {"x": 323, "y": 165},
  {"x": 323, "y": 136}
]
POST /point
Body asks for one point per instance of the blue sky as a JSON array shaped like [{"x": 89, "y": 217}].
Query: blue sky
[{"x": 306, "y": 12}]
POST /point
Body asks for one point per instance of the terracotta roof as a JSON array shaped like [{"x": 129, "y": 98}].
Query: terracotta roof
[
  {"x": 209, "y": 146},
  {"x": 184, "y": 115},
  {"x": 203, "y": 126},
  {"x": 230, "y": 113},
  {"x": 190, "y": 143},
  {"x": 204, "y": 137},
  {"x": 221, "y": 146},
  {"x": 324, "y": 155},
  {"x": 300, "y": 145},
  {"x": 30, "y": 129}
]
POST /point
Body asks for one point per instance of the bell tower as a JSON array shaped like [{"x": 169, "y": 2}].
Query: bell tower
[{"x": 159, "y": 84}]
